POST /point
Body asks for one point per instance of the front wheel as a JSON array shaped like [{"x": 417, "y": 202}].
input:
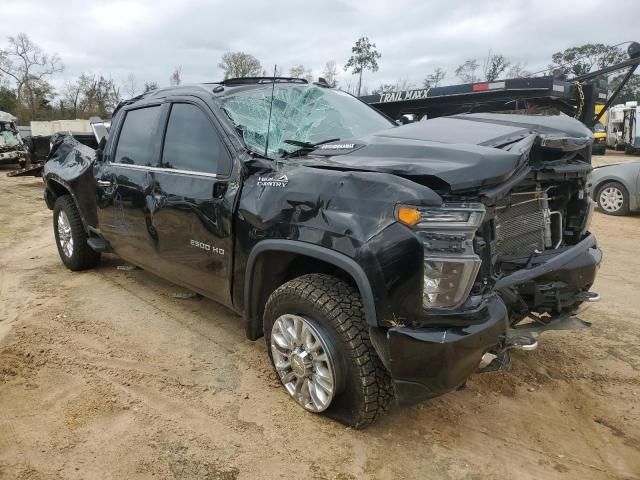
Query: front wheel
[
  {"x": 319, "y": 345},
  {"x": 613, "y": 199},
  {"x": 71, "y": 237}
]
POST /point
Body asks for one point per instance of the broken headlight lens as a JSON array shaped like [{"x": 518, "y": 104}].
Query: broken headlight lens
[{"x": 450, "y": 264}]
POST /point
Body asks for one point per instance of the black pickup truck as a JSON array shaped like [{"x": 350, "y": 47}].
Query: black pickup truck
[{"x": 379, "y": 261}]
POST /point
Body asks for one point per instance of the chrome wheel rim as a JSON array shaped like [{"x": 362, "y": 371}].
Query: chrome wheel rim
[
  {"x": 64, "y": 234},
  {"x": 303, "y": 362},
  {"x": 611, "y": 199}
]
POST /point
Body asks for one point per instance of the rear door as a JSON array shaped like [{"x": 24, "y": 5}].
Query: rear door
[
  {"x": 195, "y": 198},
  {"x": 126, "y": 184}
]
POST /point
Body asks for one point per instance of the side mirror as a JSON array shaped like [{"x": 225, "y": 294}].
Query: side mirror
[{"x": 406, "y": 118}]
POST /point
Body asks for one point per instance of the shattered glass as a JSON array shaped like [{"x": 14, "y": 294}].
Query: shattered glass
[
  {"x": 305, "y": 113},
  {"x": 8, "y": 139}
]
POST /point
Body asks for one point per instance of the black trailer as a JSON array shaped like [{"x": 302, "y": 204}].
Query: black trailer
[{"x": 575, "y": 97}]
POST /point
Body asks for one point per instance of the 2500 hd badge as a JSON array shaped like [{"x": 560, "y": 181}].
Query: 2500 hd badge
[{"x": 396, "y": 267}]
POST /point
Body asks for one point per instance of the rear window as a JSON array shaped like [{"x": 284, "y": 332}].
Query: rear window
[{"x": 135, "y": 144}]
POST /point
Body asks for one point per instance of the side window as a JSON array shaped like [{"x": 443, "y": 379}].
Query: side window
[
  {"x": 135, "y": 144},
  {"x": 192, "y": 143}
]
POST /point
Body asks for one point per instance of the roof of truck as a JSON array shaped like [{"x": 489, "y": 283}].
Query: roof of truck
[{"x": 222, "y": 88}]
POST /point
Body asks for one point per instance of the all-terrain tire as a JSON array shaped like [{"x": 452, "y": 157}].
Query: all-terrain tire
[
  {"x": 81, "y": 256},
  {"x": 365, "y": 389},
  {"x": 608, "y": 207}
]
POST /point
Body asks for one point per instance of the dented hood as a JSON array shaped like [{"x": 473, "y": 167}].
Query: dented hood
[{"x": 465, "y": 151}]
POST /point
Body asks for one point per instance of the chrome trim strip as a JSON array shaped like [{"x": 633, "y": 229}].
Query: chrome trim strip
[{"x": 165, "y": 170}]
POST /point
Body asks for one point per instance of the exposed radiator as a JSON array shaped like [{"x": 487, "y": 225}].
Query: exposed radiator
[{"x": 523, "y": 224}]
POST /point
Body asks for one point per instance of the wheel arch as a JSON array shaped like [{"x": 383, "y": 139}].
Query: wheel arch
[
  {"x": 56, "y": 188},
  {"x": 53, "y": 190},
  {"x": 284, "y": 260}
]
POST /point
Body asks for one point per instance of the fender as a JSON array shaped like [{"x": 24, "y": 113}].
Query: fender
[
  {"x": 50, "y": 196},
  {"x": 253, "y": 324}
]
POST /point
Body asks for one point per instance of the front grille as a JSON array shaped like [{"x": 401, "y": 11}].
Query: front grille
[{"x": 522, "y": 223}]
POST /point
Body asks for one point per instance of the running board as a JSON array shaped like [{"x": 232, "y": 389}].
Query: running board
[{"x": 99, "y": 244}]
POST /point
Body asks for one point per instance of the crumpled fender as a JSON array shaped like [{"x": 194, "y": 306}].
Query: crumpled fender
[
  {"x": 339, "y": 210},
  {"x": 70, "y": 165},
  {"x": 351, "y": 213}
]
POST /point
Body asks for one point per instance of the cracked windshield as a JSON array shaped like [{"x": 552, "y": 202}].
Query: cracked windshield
[
  {"x": 8, "y": 137},
  {"x": 301, "y": 113}
]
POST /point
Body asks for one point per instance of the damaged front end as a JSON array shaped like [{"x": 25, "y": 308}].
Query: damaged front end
[
  {"x": 12, "y": 149},
  {"x": 516, "y": 259}
]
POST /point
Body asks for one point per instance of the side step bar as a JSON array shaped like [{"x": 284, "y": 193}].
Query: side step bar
[{"x": 99, "y": 244}]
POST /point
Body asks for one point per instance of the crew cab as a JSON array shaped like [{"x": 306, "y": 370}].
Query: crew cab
[{"x": 380, "y": 262}]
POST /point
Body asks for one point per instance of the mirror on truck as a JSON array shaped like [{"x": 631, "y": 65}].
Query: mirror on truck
[{"x": 407, "y": 118}]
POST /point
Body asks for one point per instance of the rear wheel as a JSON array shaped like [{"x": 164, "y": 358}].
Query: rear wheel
[
  {"x": 319, "y": 345},
  {"x": 613, "y": 199},
  {"x": 71, "y": 237}
]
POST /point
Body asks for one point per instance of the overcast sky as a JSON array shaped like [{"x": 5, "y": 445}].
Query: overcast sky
[{"x": 151, "y": 38}]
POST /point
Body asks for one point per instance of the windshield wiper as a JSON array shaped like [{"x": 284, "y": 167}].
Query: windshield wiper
[{"x": 305, "y": 146}]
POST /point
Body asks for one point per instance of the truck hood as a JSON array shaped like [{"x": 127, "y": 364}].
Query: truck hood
[{"x": 465, "y": 151}]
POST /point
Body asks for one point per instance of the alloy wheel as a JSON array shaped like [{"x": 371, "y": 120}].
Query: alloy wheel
[
  {"x": 303, "y": 362},
  {"x": 64, "y": 234}
]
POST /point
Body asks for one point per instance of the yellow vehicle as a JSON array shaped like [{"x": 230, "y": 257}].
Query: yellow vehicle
[{"x": 600, "y": 133}]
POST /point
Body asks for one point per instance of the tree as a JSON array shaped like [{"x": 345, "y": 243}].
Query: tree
[
  {"x": 494, "y": 66},
  {"x": 8, "y": 100},
  {"x": 585, "y": 58},
  {"x": 301, "y": 72},
  {"x": 434, "y": 79},
  {"x": 467, "y": 71},
  {"x": 330, "y": 73},
  {"x": 402, "y": 84},
  {"x": 240, "y": 64},
  {"x": 100, "y": 95},
  {"x": 89, "y": 95},
  {"x": 364, "y": 57},
  {"x": 39, "y": 98},
  {"x": 72, "y": 96},
  {"x": 517, "y": 70},
  {"x": 384, "y": 88},
  {"x": 176, "y": 77},
  {"x": 28, "y": 67},
  {"x": 130, "y": 85},
  {"x": 148, "y": 86},
  {"x": 631, "y": 90}
]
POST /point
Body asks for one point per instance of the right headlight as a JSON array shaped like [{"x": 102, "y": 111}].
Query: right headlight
[{"x": 450, "y": 264}]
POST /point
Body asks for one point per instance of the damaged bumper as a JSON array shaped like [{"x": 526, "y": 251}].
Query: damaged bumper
[
  {"x": 427, "y": 362},
  {"x": 11, "y": 157}
]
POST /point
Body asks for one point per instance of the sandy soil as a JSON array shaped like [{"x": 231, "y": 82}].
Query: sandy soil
[{"x": 105, "y": 374}]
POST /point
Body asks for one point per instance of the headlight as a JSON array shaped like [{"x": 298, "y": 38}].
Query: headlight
[{"x": 450, "y": 264}]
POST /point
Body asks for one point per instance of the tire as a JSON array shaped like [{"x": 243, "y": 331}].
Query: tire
[
  {"x": 613, "y": 199},
  {"x": 71, "y": 238},
  {"x": 332, "y": 310}
]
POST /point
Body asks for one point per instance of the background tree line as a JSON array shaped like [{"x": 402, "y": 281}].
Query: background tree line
[{"x": 26, "y": 74}]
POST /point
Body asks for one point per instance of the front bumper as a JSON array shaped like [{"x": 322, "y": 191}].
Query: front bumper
[
  {"x": 10, "y": 158},
  {"x": 427, "y": 362}
]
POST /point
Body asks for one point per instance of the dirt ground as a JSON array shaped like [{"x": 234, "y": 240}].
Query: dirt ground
[{"x": 105, "y": 374}]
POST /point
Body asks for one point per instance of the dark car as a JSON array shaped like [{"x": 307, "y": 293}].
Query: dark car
[{"x": 379, "y": 261}]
